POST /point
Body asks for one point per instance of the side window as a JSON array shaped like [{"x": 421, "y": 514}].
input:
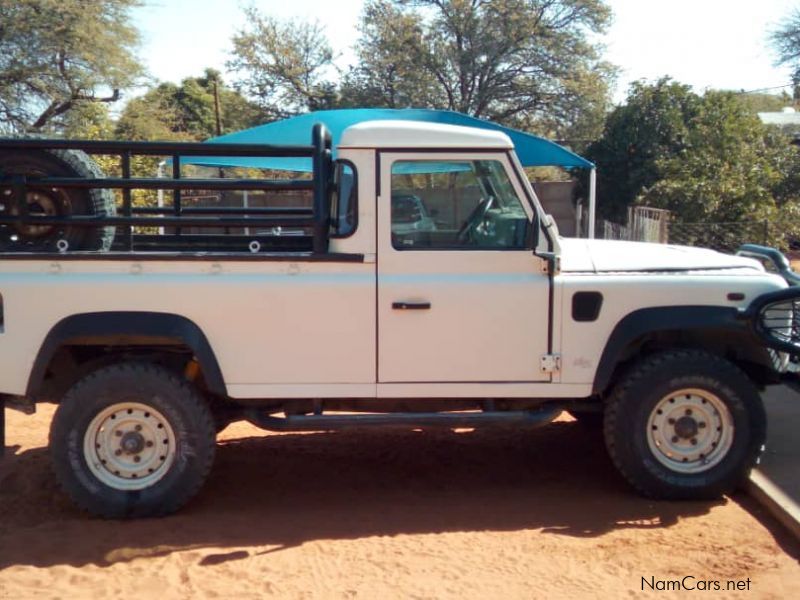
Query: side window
[
  {"x": 451, "y": 205},
  {"x": 344, "y": 205}
]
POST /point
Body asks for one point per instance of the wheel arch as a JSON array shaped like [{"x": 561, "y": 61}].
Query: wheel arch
[
  {"x": 129, "y": 328},
  {"x": 717, "y": 329}
]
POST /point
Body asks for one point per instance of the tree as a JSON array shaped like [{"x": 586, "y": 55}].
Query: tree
[
  {"x": 786, "y": 43},
  {"x": 526, "y": 63},
  {"x": 188, "y": 111},
  {"x": 705, "y": 158},
  {"x": 728, "y": 169},
  {"x": 389, "y": 73},
  {"x": 284, "y": 66},
  {"x": 520, "y": 62},
  {"x": 766, "y": 102},
  {"x": 56, "y": 55},
  {"x": 638, "y": 135}
]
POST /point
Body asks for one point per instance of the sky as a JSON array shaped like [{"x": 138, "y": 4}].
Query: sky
[{"x": 719, "y": 44}]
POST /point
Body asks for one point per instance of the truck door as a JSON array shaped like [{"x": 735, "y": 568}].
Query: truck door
[{"x": 461, "y": 296}]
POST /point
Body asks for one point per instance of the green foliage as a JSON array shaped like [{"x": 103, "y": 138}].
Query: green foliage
[
  {"x": 88, "y": 121},
  {"x": 284, "y": 65},
  {"x": 59, "y": 55},
  {"x": 705, "y": 158},
  {"x": 727, "y": 170},
  {"x": 187, "y": 111},
  {"x": 651, "y": 126},
  {"x": 388, "y": 73},
  {"x": 525, "y": 63},
  {"x": 757, "y": 103},
  {"x": 786, "y": 43}
]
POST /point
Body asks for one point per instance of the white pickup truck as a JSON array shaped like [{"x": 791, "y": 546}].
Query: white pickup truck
[{"x": 432, "y": 290}]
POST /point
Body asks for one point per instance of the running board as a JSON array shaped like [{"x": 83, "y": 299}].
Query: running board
[{"x": 322, "y": 422}]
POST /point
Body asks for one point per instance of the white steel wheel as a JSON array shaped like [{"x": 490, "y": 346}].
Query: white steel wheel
[
  {"x": 129, "y": 446},
  {"x": 690, "y": 430},
  {"x": 132, "y": 439},
  {"x": 684, "y": 425}
]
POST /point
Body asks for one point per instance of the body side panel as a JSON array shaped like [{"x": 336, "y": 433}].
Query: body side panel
[
  {"x": 267, "y": 322},
  {"x": 583, "y": 343}
]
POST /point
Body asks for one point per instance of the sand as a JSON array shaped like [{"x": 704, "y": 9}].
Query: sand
[{"x": 387, "y": 514}]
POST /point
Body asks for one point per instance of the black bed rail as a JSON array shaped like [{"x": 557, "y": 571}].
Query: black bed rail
[{"x": 313, "y": 220}]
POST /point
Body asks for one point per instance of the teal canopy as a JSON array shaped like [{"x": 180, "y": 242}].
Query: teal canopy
[{"x": 532, "y": 151}]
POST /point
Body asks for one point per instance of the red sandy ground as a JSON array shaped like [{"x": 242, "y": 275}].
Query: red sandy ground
[{"x": 383, "y": 514}]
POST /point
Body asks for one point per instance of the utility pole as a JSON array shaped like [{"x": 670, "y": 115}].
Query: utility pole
[{"x": 217, "y": 114}]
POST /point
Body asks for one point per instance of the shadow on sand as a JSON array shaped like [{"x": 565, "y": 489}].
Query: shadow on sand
[{"x": 280, "y": 491}]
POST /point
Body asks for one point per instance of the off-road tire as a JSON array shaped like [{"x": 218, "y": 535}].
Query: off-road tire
[
  {"x": 134, "y": 383},
  {"x": 629, "y": 411},
  {"x": 64, "y": 201}
]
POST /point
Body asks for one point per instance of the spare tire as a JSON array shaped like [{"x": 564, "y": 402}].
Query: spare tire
[{"x": 51, "y": 201}]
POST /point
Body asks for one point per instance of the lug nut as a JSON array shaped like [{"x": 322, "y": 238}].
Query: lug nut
[
  {"x": 674, "y": 439},
  {"x": 688, "y": 412},
  {"x": 149, "y": 444},
  {"x": 701, "y": 424},
  {"x": 694, "y": 441},
  {"x": 118, "y": 452},
  {"x": 118, "y": 433},
  {"x": 137, "y": 458},
  {"x": 671, "y": 421},
  {"x": 138, "y": 428}
]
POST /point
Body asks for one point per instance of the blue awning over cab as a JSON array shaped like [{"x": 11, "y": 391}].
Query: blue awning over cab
[{"x": 533, "y": 151}]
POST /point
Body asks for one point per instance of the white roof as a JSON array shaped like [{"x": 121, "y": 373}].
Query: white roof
[
  {"x": 420, "y": 134},
  {"x": 782, "y": 118}
]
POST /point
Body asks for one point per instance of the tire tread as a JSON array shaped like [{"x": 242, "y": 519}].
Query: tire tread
[
  {"x": 186, "y": 394},
  {"x": 648, "y": 369}
]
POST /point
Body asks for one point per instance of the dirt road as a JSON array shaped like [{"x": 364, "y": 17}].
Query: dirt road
[{"x": 377, "y": 514}]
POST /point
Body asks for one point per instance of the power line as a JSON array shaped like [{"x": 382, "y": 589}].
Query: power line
[{"x": 768, "y": 89}]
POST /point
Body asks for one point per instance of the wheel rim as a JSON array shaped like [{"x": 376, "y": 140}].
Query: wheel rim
[
  {"x": 129, "y": 446},
  {"x": 690, "y": 430}
]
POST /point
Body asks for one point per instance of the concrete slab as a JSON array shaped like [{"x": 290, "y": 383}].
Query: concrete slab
[{"x": 776, "y": 481}]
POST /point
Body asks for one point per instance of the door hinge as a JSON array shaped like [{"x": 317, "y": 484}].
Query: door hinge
[
  {"x": 550, "y": 363},
  {"x": 552, "y": 263}
]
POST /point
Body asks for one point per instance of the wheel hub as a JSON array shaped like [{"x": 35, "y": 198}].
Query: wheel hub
[
  {"x": 686, "y": 428},
  {"x": 129, "y": 446},
  {"x": 132, "y": 442},
  {"x": 690, "y": 430}
]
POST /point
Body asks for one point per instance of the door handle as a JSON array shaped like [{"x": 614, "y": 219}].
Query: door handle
[{"x": 411, "y": 305}]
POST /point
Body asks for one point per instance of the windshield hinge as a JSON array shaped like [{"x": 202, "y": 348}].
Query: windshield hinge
[
  {"x": 550, "y": 363},
  {"x": 552, "y": 264}
]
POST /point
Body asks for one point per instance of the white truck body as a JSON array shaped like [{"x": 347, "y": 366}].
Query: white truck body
[
  {"x": 378, "y": 321},
  {"x": 260, "y": 316}
]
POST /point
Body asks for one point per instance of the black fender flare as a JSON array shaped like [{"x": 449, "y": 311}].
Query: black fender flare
[
  {"x": 127, "y": 328},
  {"x": 694, "y": 319}
]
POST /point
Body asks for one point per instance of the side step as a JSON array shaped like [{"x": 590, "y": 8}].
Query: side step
[{"x": 323, "y": 422}]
